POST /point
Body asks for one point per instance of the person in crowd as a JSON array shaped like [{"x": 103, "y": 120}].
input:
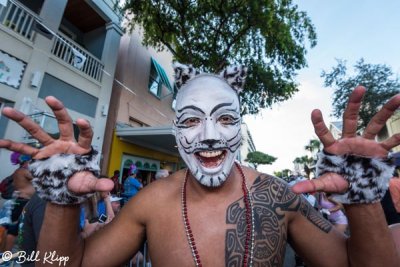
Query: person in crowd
[
  {"x": 391, "y": 202},
  {"x": 32, "y": 220},
  {"x": 132, "y": 184},
  {"x": 217, "y": 212},
  {"x": 117, "y": 185},
  {"x": 394, "y": 188},
  {"x": 24, "y": 190},
  {"x": 98, "y": 210},
  {"x": 333, "y": 210}
]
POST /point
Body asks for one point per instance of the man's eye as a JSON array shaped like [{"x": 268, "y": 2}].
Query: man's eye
[
  {"x": 226, "y": 119},
  {"x": 191, "y": 122}
]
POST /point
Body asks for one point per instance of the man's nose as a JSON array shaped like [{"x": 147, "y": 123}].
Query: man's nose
[
  {"x": 210, "y": 133},
  {"x": 210, "y": 142}
]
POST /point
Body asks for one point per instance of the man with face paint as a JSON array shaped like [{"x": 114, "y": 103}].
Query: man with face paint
[
  {"x": 217, "y": 212},
  {"x": 207, "y": 128}
]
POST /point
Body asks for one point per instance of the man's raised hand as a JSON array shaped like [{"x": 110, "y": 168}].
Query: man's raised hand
[
  {"x": 350, "y": 143},
  {"x": 81, "y": 182}
]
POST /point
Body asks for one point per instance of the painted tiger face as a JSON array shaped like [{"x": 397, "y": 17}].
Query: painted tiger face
[{"x": 207, "y": 128}]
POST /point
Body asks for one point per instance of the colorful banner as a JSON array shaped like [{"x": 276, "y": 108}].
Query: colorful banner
[{"x": 11, "y": 70}]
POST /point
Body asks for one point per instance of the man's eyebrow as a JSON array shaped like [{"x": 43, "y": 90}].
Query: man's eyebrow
[
  {"x": 191, "y": 107},
  {"x": 220, "y": 106}
]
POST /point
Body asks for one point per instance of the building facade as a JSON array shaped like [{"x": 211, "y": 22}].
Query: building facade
[
  {"x": 139, "y": 127},
  {"x": 67, "y": 49},
  {"x": 247, "y": 146}
]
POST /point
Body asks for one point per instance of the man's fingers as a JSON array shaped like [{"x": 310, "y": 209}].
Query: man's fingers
[
  {"x": 85, "y": 133},
  {"x": 379, "y": 120},
  {"x": 64, "y": 120},
  {"x": 85, "y": 182},
  {"x": 391, "y": 142},
  {"x": 18, "y": 147},
  {"x": 329, "y": 182},
  {"x": 350, "y": 115},
  {"x": 308, "y": 186},
  {"x": 25, "y": 122},
  {"x": 104, "y": 185},
  {"x": 323, "y": 133}
]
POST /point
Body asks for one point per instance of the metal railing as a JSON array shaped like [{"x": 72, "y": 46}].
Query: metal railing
[
  {"x": 18, "y": 19},
  {"x": 63, "y": 48}
]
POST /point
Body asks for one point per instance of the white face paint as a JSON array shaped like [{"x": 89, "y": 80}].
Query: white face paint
[{"x": 207, "y": 128}]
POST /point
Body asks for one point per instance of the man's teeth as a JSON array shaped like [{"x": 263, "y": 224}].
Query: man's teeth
[{"x": 210, "y": 154}]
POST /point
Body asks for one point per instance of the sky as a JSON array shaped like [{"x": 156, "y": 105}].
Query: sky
[{"x": 347, "y": 30}]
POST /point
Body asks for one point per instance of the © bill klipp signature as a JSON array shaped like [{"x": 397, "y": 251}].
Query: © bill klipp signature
[{"x": 19, "y": 257}]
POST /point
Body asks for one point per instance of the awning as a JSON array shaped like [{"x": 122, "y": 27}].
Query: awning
[
  {"x": 156, "y": 138},
  {"x": 162, "y": 74}
]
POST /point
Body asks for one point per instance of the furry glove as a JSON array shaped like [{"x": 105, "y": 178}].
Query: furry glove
[
  {"x": 51, "y": 176},
  {"x": 368, "y": 177}
]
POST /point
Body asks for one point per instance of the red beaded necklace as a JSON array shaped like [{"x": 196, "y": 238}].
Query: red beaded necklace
[{"x": 249, "y": 241}]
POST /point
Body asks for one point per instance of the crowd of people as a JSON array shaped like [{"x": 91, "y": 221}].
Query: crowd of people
[{"x": 22, "y": 211}]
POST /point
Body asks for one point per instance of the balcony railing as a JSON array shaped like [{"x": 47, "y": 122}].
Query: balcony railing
[
  {"x": 63, "y": 48},
  {"x": 18, "y": 19}
]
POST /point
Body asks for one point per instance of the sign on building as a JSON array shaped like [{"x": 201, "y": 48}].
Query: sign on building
[{"x": 11, "y": 70}]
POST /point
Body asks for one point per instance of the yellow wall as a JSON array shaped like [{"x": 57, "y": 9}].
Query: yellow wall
[{"x": 118, "y": 148}]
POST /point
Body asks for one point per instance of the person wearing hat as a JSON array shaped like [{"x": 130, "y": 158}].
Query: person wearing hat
[{"x": 131, "y": 184}]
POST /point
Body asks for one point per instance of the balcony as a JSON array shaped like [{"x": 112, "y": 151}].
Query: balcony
[
  {"x": 63, "y": 48},
  {"x": 18, "y": 19}
]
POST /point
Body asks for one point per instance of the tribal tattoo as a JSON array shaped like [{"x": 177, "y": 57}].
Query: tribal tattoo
[{"x": 272, "y": 199}]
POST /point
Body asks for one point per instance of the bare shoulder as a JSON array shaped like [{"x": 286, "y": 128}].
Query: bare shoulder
[
  {"x": 158, "y": 194},
  {"x": 164, "y": 187}
]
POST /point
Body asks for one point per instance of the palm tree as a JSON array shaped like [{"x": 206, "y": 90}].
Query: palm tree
[
  {"x": 313, "y": 145},
  {"x": 306, "y": 161}
]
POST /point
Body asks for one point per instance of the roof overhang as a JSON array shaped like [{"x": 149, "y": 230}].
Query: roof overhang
[{"x": 160, "y": 139}]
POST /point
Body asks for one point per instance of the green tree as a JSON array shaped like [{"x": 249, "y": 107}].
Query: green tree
[
  {"x": 259, "y": 158},
  {"x": 314, "y": 145},
  {"x": 284, "y": 174},
  {"x": 306, "y": 162},
  {"x": 269, "y": 37},
  {"x": 379, "y": 80}
]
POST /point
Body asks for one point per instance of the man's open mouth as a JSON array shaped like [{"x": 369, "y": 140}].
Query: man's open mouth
[{"x": 211, "y": 159}]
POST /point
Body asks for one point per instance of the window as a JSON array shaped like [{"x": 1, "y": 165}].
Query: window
[{"x": 159, "y": 84}]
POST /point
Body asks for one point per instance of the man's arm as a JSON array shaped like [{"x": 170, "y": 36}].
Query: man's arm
[
  {"x": 120, "y": 239},
  {"x": 370, "y": 243},
  {"x": 60, "y": 230},
  {"x": 369, "y": 234}
]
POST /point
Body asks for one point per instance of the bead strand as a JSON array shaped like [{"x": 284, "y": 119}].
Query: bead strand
[
  {"x": 249, "y": 218},
  {"x": 252, "y": 223}
]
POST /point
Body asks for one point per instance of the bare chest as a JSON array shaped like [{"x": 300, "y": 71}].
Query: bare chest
[{"x": 219, "y": 233}]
